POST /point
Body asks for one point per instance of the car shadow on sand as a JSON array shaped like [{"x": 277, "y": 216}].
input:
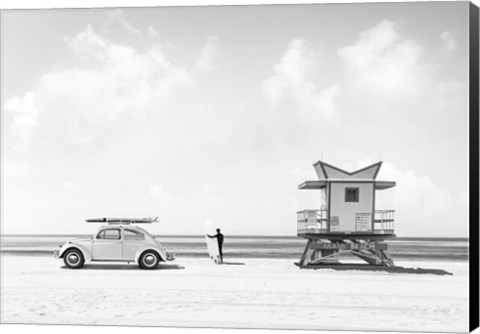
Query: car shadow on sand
[{"x": 107, "y": 266}]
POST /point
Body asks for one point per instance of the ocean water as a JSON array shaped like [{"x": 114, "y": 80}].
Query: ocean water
[{"x": 444, "y": 249}]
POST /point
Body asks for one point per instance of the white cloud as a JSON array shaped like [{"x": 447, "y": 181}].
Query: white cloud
[
  {"x": 88, "y": 45},
  {"x": 12, "y": 169},
  {"x": 449, "y": 44},
  {"x": 384, "y": 62},
  {"x": 291, "y": 79},
  {"x": 422, "y": 207},
  {"x": 25, "y": 115},
  {"x": 208, "y": 55},
  {"x": 117, "y": 16},
  {"x": 114, "y": 81}
]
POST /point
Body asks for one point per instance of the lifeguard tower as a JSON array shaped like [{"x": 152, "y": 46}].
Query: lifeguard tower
[{"x": 347, "y": 222}]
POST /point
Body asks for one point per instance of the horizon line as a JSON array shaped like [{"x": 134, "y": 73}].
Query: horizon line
[{"x": 229, "y": 235}]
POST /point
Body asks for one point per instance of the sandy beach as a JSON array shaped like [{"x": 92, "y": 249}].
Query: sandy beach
[{"x": 243, "y": 293}]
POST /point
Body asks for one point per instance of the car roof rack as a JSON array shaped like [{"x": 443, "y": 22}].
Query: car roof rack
[{"x": 123, "y": 221}]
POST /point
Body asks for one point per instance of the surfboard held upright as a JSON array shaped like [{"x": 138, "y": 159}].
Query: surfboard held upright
[{"x": 211, "y": 240}]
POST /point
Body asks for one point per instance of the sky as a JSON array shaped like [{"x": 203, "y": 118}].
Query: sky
[{"x": 195, "y": 113}]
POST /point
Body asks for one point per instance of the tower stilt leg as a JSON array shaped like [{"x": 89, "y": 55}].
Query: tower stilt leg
[{"x": 305, "y": 252}]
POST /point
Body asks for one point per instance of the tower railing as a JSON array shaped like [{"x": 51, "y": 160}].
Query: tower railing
[
  {"x": 383, "y": 221},
  {"x": 316, "y": 221},
  {"x": 312, "y": 221}
]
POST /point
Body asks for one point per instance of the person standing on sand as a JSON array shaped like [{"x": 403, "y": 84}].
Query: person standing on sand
[{"x": 219, "y": 237}]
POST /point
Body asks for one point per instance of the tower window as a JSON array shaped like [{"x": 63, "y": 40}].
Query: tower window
[{"x": 352, "y": 194}]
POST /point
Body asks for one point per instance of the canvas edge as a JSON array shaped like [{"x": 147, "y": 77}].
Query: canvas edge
[{"x": 474, "y": 164}]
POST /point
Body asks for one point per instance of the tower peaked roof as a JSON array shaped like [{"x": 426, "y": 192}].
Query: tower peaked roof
[{"x": 326, "y": 172}]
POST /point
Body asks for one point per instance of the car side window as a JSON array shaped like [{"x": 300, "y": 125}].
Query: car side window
[
  {"x": 111, "y": 234},
  {"x": 132, "y": 235}
]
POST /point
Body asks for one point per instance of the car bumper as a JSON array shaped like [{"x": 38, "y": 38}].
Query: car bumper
[
  {"x": 170, "y": 256},
  {"x": 56, "y": 253}
]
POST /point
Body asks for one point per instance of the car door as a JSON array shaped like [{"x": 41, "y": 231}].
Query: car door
[
  {"x": 132, "y": 241},
  {"x": 107, "y": 245}
]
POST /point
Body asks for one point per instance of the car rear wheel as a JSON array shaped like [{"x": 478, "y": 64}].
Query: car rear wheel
[
  {"x": 73, "y": 259},
  {"x": 149, "y": 260}
]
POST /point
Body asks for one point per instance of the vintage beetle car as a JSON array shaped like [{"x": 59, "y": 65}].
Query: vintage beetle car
[{"x": 121, "y": 240}]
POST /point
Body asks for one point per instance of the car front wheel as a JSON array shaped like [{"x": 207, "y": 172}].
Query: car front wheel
[
  {"x": 73, "y": 259},
  {"x": 149, "y": 260}
]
